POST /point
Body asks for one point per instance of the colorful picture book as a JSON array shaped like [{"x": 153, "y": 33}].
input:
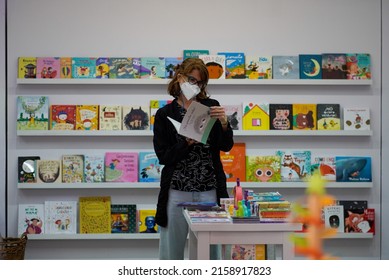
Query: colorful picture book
[
  {"x": 48, "y": 68},
  {"x": 259, "y": 67},
  {"x": 102, "y": 68},
  {"x": 123, "y": 218},
  {"x": 121, "y": 68},
  {"x": 356, "y": 118},
  {"x": 65, "y": 65},
  {"x": 234, "y": 162},
  {"x": 72, "y": 168},
  {"x": 149, "y": 167},
  {"x": 95, "y": 214},
  {"x": 194, "y": 53},
  {"x": 255, "y": 116},
  {"x": 295, "y": 165},
  {"x": 27, "y": 67},
  {"x": 31, "y": 219},
  {"x": 304, "y": 116},
  {"x": 83, "y": 67},
  {"x": 94, "y": 168},
  {"x": 136, "y": 64},
  {"x": 152, "y": 67},
  {"x": 146, "y": 222},
  {"x": 170, "y": 65},
  {"x": 334, "y": 217},
  {"x": 63, "y": 117},
  {"x": 49, "y": 171},
  {"x": 60, "y": 217},
  {"x": 110, "y": 117},
  {"x": 245, "y": 252},
  {"x": 334, "y": 66},
  {"x": 263, "y": 168},
  {"x": 32, "y": 113},
  {"x": 234, "y": 114},
  {"x": 286, "y": 67},
  {"x": 281, "y": 116},
  {"x": 136, "y": 117},
  {"x": 27, "y": 172},
  {"x": 121, "y": 167},
  {"x": 235, "y": 65},
  {"x": 358, "y": 66},
  {"x": 87, "y": 117},
  {"x": 154, "y": 106},
  {"x": 326, "y": 166},
  {"x": 328, "y": 116},
  {"x": 310, "y": 66},
  {"x": 216, "y": 65},
  {"x": 353, "y": 169}
]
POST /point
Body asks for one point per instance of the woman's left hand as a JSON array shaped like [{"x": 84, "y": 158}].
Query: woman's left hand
[{"x": 219, "y": 113}]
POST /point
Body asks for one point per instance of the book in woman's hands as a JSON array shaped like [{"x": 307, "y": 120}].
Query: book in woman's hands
[{"x": 196, "y": 124}]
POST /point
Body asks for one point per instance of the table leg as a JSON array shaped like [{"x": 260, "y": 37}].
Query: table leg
[
  {"x": 203, "y": 239},
  {"x": 192, "y": 246},
  {"x": 287, "y": 247}
]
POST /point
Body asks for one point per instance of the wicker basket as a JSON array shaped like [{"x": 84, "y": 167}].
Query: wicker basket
[{"x": 13, "y": 248}]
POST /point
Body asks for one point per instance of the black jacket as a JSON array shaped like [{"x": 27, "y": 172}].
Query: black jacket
[{"x": 171, "y": 150}]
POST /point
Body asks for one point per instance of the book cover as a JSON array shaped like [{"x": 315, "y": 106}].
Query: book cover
[
  {"x": 263, "y": 168},
  {"x": 136, "y": 64},
  {"x": 95, "y": 214},
  {"x": 110, "y": 117},
  {"x": 170, "y": 65},
  {"x": 94, "y": 171},
  {"x": 295, "y": 165},
  {"x": 216, "y": 65},
  {"x": 146, "y": 222},
  {"x": 255, "y": 116},
  {"x": 65, "y": 66},
  {"x": 123, "y": 218},
  {"x": 72, "y": 168},
  {"x": 152, "y": 67},
  {"x": 31, "y": 218},
  {"x": 281, "y": 116},
  {"x": 136, "y": 117},
  {"x": 195, "y": 53},
  {"x": 27, "y": 67},
  {"x": 63, "y": 117},
  {"x": 354, "y": 214},
  {"x": 154, "y": 106},
  {"x": 48, "y": 68},
  {"x": 234, "y": 114},
  {"x": 310, "y": 66},
  {"x": 102, "y": 68},
  {"x": 356, "y": 118},
  {"x": 368, "y": 224},
  {"x": 27, "y": 169},
  {"x": 326, "y": 166},
  {"x": 234, "y": 162},
  {"x": 49, "y": 171},
  {"x": 246, "y": 252},
  {"x": 121, "y": 68},
  {"x": 149, "y": 167},
  {"x": 334, "y": 66},
  {"x": 121, "y": 167},
  {"x": 334, "y": 217},
  {"x": 259, "y": 67},
  {"x": 328, "y": 117},
  {"x": 61, "y": 217},
  {"x": 235, "y": 65},
  {"x": 87, "y": 117},
  {"x": 353, "y": 169},
  {"x": 358, "y": 66},
  {"x": 286, "y": 67},
  {"x": 83, "y": 67},
  {"x": 304, "y": 116},
  {"x": 32, "y": 113}
]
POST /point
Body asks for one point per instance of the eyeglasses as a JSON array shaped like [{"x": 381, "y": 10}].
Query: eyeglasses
[{"x": 193, "y": 81}]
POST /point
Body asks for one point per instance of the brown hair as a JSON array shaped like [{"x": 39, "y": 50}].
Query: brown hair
[{"x": 185, "y": 68}]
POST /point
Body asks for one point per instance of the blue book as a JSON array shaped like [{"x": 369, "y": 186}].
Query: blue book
[
  {"x": 353, "y": 169},
  {"x": 83, "y": 68},
  {"x": 310, "y": 66},
  {"x": 170, "y": 65},
  {"x": 149, "y": 167},
  {"x": 235, "y": 65},
  {"x": 286, "y": 67}
]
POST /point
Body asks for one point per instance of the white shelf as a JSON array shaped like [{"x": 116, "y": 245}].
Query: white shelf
[
  {"x": 211, "y": 82},
  {"x": 113, "y": 236},
  {"x": 344, "y": 235},
  {"x": 84, "y": 133}
]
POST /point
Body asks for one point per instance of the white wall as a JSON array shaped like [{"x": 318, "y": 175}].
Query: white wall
[{"x": 132, "y": 28}]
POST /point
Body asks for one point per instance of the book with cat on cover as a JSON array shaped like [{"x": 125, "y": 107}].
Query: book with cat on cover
[
  {"x": 334, "y": 217},
  {"x": 154, "y": 106},
  {"x": 61, "y": 217},
  {"x": 216, "y": 65},
  {"x": 49, "y": 171},
  {"x": 304, "y": 116},
  {"x": 123, "y": 218},
  {"x": 255, "y": 116},
  {"x": 83, "y": 67},
  {"x": 328, "y": 116},
  {"x": 353, "y": 169},
  {"x": 136, "y": 117},
  {"x": 72, "y": 168},
  {"x": 356, "y": 118},
  {"x": 334, "y": 66},
  {"x": 32, "y": 113},
  {"x": 110, "y": 117},
  {"x": 95, "y": 214},
  {"x": 94, "y": 170},
  {"x": 63, "y": 117},
  {"x": 235, "y": 65},
  {"x": 65, "y": 66},
  {"x": 310, "y": 66},
  {"x": 102, "y": 68},
  {"x": 121, "y": 167},
  {"x": 258, "y": 67},
  {"x": 27, "y": 67},
  {"x": 121, "y": 68},
  {"x": 31, "y": 218},
  {"x": 286, "y": 67},
  {"x": 295, "y": 165},
  {"x": 326, "y": 166},
  {"x": 358, "y": 66},
  {"x": 27, "y": 169},
  {"x": 234, "y": 114},
  {"x": 48, "y": 68},
  {"x": 194, "y": 53},
  {"x": 263, "y": 168},
  {"x": 170, "y": 64},
  {"x": 146, "y": 221},
  {"x": 87, "y": 117},
  {"x": 234, "y": 162},
  {"x": 152, "y": 67},
  {"x": 353, "y": 214},
  {"x": 149, "y": 167},
  {"x": 281, "y": 116}
]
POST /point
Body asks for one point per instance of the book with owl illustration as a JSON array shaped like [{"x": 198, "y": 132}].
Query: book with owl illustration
[
  {"x": 358, "y": 66},
  {"x": 356, "y": 118},
  {"x": 65, "y": 66},
  {"x": 61, "y": 217},
  {"x": 121, "y": 167},
  {"x": 32, "y": 113},
  {"x": 63, "y": 117},
  {"x": 31, "y": 218},
  {"x": 234, "y": 114},
  {"x": 235, "y": 65},
  {"x": 310, "y": 66},
  {"x": 170, "y": 64},
  {"x": 102, "y": 68},
  {"x": 286, "y": 67},
  {"x": 94, "y": 170},
  {"x": 149, "y": 167},
  {"x": 72, "y": 168},
  {"x": 328, "y": 116},
  {"x": 27, "y": 169},
  {"x": 259, "y": 67},
  {"x": 255, "y": 116},
  {"x": 326, "y": 166},
  {"x": 110, "y": 117},
  {"x": 216, "y": 65},
  {"x": 95, "y": 214},
  {"x": 281, "y": 116},
  {"x": 334, "y": 66},
  {"x": 83, "y": 67},
  {"x": 234, "y": 162},
  {"x": 136, "y": 117},
  {"x": 295, "y": 165},
  {"x": 304, "y": 116},
  {"x": 87, "y": 117},
  {"x": 154, "y": 106},
  {"x": 152, "y": 67},
  {"x": 194, "y": 53},
  {"x": 121, "y": 68},
  {"x": 263, "y": 168},
  {"x": 49, "y": 171},
  {"x": 123, "y": 218},
  {"x": 26, "y": 67},
  {"x": 48, "y": 68}
]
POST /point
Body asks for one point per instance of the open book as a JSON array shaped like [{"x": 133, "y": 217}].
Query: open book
[{"x": 197, "y": 123}]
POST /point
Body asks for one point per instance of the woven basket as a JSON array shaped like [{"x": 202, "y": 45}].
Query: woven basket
[{"x": 13, "y": 248}]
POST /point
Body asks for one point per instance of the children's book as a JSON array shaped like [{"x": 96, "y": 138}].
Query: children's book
[
  {"x": 136, "y": 117},
  {"x": 83, "y": 67},
  {"x": 245, "y": 252},
  {"x": 123, "y": 218},
  {"x": 358, "y": 66},
  {"x": 195, "y": 53},
  {"x": 234, "y": 114},
  {"x": 304, "y": 116},
  {"x": 72, "y": 168},
  {"x": 354, "y": 211},
  {"x": 216, "y": 65},
  {"x": 152, "y": 68},
  {"x": 281, "y": 116},
  {"x": 295, "y": 165},
  {"x": 234, "y": 162},
  {"x": 121, "y": 68},
  {"x": 310, "y": 66},
  {"x": 87, "y": 117},
  {"x": 286, "y": 67},
  {"x": 154, "y": 106},
  {"x": 121, "y": 167},
  {"x": 95, "y": 214},
  {"x": 259, "y": 67},
  {"x": 146, "y": 221},
  {"x": 27, "y": 169},
  {"x": 62, "y": 117},
  {"x": 149, "y": 167},
  {"x": 334, "y": 217},
  {"x": 326, "y": 166},
  {"x": 94, "y": 170},
  {"x": 110, "y": 117},
  {"x": 328, "y": 116},
  {"x": 48, "y": 68},
  {"x": 49, "y": 171},
  {"x": 136, "y": 63},
  {"x": 65, "y": 65},
  {"x": 356, "y": 118},
  {"x": 263, "y": 168},
  {"x": 353, "y": 169},
  {"x": 334, "y": 66},
  {"x": 255, "y": 116},
  {"x": 31, "y": 218},
  {"x": 102, "y": 68},
  {"x": 170, "y": 66},
  {"x": 235, "y": 65},
  {"x": 61, "y": 217},
  {"x": 32, "y": 113},
  {"x": 27, "y": 67},
  {"x": 368, "y": 223}
]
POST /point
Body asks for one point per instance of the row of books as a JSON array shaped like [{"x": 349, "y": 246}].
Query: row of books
[
  {"x": 222, "y": 65},
  {"x": 93, "y": 214}
]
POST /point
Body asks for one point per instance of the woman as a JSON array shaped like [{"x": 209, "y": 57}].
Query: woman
[{"x": 192, "y": 170}]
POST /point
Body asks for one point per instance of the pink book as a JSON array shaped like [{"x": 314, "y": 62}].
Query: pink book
[
  {"x": 48, "y": 68},
  {"x": 121, "y": 167}
]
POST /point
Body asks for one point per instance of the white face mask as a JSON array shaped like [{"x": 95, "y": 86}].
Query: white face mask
[{"x": 189, "y": 91}]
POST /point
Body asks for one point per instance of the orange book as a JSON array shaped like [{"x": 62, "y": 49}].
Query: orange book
[{"x": 234, "y": 162}]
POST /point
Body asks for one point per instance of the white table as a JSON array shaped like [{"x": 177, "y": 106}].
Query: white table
[{"x": 202, "y": 235}]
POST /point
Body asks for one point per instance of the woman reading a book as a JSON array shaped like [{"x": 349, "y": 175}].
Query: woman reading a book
[{"x": 192, "y": 170}]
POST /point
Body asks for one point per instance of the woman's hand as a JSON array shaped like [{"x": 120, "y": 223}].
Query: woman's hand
[{"x": 219, "y": 113}]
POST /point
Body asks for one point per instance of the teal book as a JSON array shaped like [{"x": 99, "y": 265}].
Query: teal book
[
  {"x": 194, "y": 53},
  {"x": 235, "y": 65},
  {"x": 310, "y": 66},
  {"x": 358, "y": 66},
  {"x": 83, "y": 68},
  {"x": 149, "y": 167},
  {"x": 121, "y": 68},
  {"x": 152, "y": 68}
]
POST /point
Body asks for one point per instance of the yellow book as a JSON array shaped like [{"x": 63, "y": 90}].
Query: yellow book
[
  {"x": 87, "y": 117},
  {"x": 95, "y": 214},
  {"x": 304, "y": 116},
  {"x": 146, "y": 221},
  {"x": 27, "y": 67},
  {"x": 65, "y": 67},
  {"x": 256, "y": 116}
]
